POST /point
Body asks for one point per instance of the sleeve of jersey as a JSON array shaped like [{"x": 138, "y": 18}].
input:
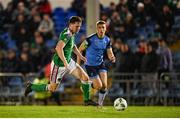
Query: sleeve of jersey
[
  {"x": 63, "y": 37},
  {"x": 86, "y": 43},
  {"x": 109, "y": 45}
]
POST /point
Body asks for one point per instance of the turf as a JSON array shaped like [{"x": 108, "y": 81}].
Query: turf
[{"x": 87, "y": 112}]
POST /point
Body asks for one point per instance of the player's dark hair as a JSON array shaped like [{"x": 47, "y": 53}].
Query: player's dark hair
[
  {"x": 74, "y": 19},
  {"x": 100, "y": 22}
]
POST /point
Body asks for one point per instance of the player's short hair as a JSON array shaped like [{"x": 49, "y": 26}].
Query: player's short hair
[
  {"x": 100, "y": 22},
  {"x": 74, "y": 19}
]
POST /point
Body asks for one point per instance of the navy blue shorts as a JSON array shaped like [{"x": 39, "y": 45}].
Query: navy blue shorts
[{"x": 93, "y": 71}]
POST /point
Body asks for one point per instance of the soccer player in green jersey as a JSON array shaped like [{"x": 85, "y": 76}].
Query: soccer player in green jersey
[{"x": 63, "y": 64}]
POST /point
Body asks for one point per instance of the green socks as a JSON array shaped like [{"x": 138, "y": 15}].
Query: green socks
[
  {"x": 86, "y": 90},
  {"x": 38, "y": 87}
]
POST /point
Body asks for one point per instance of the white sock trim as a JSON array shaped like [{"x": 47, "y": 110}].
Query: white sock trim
[{"x": 86, "y": 82}]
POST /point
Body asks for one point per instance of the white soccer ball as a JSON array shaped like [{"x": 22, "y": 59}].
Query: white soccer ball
[{"x": 120, "y": 104}]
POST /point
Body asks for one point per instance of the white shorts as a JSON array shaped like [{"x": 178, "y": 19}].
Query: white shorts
[{"x": 58, "y": 72}]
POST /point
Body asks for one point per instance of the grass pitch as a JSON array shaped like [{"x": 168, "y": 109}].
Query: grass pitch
[{"x": 87, "y": 112}]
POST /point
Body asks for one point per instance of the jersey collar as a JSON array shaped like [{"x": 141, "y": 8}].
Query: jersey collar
[
  {"x": 69, "y": 32},
  {"x": 99, "y": 37}
]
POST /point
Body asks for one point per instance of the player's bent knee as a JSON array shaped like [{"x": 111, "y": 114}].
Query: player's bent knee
[
  {"x": 52, "y": 87},
  {"x": 97, "y": 86}
]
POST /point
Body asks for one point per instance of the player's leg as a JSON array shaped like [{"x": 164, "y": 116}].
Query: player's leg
[
  {"x": 79, "y": 73},
  {"x": 103, "y": 90},
  {"x": 92, "y": 72},
  {"x": 96, "y": 82},
  {"x": 34, "y": 87},
  {"x": 94, "y": 77},
  {"x": 56, "y": 75}
]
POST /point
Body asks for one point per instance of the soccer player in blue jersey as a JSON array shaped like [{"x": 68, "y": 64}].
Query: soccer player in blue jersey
[{"x": 96, "y": 45}]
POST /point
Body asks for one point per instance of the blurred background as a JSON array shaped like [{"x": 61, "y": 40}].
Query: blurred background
[{"x": 145, "y": 36}]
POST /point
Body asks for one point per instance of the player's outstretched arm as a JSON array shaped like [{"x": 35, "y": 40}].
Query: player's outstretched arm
[
  {"x": 78, "y": 53},
  {"x": 59, "y": 49},
  {"x": 111, "y": 55},
  {"x": 82, "y": 47}
]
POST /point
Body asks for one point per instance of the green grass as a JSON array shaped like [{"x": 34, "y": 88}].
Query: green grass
[{"x": 87, "y": 112}]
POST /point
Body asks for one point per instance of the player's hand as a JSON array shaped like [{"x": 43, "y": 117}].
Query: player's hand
[
  {"x": 83, "y": 58},
  {"x": 113, "y": 59},
  {"x": 66, "y": 65}
]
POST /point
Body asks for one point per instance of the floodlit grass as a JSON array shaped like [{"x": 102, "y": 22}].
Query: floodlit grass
[{"x": 88, "y": 112}]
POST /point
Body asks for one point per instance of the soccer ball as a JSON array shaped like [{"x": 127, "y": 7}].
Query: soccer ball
[{"x": 120, "y": 104}]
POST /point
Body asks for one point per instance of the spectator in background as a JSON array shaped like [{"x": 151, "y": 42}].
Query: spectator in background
[
  {"x": 112, "y": 8},
  {"x": 149, "y": 65},
  {"x": 25, "y": 47},
  {"x": 150, "y": 60},
  {"x": 25, "y": 65},
  {"x": 130, "y": 25},
  {"x": 123, "y": 13},
  {"x": 44, "y": 7},
  {"x": 122, "y": 3},
  {"x": 165, "y": 21},
  {"x": 104, "y": 17},
  {"x": 150, "y": 9},
  {"x": 47, "y": 57},
  {"x": 117, "y": 52},
  {"x": 33, "y": 11},
  {"x": 21, "y": 9},
  {"x": 7, "y": 14},
  {"x": 1, "y": 61},
  {"x": 159, "y": 3},
  {"x": 11, "y": 62},
  {"x": 132, "y": 5},
  {"x": 34, "y": 23},
  {"x": 140, "y": 15},
  {"x": 32, "y": 4},
  {"x": 166, "y": 62},
  {"x": 20, "y": 31},
  {"x": 114, "y": 24},
  {"x": 80, "y": 7},
  {"x": 127, "y": 23},
  {"x": 120, "y": 30},
  {"x": 46, "y": 27},
  {"x": 127, "y": 64},
  {"x": 16, "y": 2},
  {"x": 139, "y": 54},
  {"x": 38, "y": 50}
]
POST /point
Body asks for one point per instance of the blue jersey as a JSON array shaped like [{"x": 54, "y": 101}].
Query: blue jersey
[{"x": 96, "y": 48}]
